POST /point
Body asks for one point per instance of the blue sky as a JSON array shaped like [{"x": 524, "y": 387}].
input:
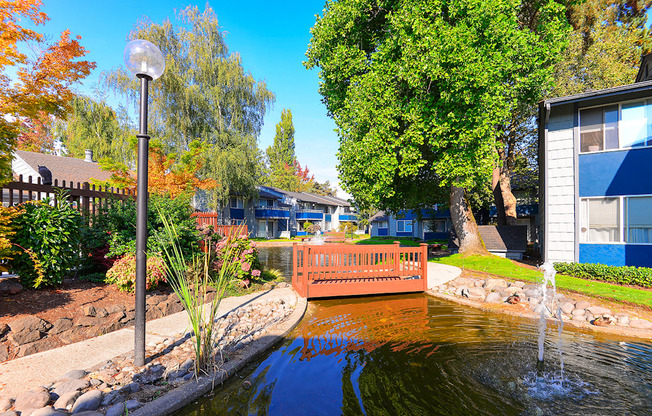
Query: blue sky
[{"x": 271, "y": 37}]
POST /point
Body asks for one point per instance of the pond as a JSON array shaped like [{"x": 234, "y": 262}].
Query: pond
[
  {"x": 279, "y": 258},
  {"x": 415, "y": 355}
]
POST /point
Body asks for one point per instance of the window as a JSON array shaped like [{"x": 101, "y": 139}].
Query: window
[
  {"x": 599, "y": 129},
  {"x": 236, "y": 203},
  {"x": 434, "y": 226},
  {"x": 634, "y": 124},
  {"x": 599, "y": 220},
  {"x": 382, "y": 224},
  {"x": 404, "y": 226},
  {"x": 638, "y": 221}
]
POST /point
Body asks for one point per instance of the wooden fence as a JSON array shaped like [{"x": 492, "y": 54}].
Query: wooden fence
[
  {"x": 85, "y": 197},
  {"x": 348, "y": 270},
  {"x": 210, "y": 219}
]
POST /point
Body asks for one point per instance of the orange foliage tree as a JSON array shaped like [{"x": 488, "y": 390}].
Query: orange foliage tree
[
  {"x": 168, "y": 173},
  {"x": 35, "y": 134},
  {"x": 41, "y": 84}
]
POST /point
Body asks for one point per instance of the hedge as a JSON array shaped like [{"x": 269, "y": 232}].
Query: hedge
[{"x": 626, "y": 275}]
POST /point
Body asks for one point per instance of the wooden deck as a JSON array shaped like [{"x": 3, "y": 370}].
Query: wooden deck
[{"x": 334, "y": 270}]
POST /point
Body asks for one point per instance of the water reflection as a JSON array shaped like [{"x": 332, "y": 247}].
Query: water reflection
[
  {"x": 413, "y": 355},
  {"x": 279, "y": 258}
]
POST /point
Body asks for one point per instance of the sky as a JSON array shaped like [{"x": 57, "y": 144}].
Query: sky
[{"x": 271, "y": 37}]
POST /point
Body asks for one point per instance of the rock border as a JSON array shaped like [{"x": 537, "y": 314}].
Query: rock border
[
  {"x": 184, "y": 395},
  {"x": 492, "y": 295}
]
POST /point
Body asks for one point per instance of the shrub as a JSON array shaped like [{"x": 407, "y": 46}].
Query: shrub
[
  {"x": 123, "y": 273},
  {"x": 52, "y": 235},
  {"x": 243, "y": 253},
  {"x": 627, "y": 275},
  {"x": 7, "y": 230}
]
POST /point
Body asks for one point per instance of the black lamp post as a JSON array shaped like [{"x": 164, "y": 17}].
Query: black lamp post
[{"x": 146, "y": 61}]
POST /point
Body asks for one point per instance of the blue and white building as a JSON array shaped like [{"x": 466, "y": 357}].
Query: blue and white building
[
  {"x": 279, "y": 213},
  {"x": 433, "y": 225},
  {"x": 595, "y": 157}
]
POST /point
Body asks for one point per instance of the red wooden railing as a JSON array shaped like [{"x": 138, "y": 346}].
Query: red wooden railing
[
  {"x": 347, "y": 270},
  {"x": 210, "y": 218}
]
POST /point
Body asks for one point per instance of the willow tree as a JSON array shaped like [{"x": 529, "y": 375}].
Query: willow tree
[
  {"x": 416, "y": 89},
  {"x": 204, "y": 94}
]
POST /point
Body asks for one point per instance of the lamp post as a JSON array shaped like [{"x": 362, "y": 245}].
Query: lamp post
[{"x": 146, "y": 61}]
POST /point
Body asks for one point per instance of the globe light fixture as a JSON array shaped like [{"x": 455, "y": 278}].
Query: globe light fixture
[{"x": 146, "y": 61}]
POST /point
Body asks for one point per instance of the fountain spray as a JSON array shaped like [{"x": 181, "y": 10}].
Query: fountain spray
[{"x": 547, "y": 305}]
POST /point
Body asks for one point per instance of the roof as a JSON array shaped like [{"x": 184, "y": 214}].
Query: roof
[
  {"x": 66, "y": 169},
  {"x": 638, "y": 87},
  {"x": 379, "y": 216},
  {"x": 645, "y": 70},
  {"x": 308, "y": 197}
]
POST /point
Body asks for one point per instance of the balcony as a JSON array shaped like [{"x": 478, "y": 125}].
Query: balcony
[
  {"x": 237, "y": 213},
  {"x": 348, "y": 217},
  {"x": 273, "y": 213},
  {"x": 307, "y": 214}
]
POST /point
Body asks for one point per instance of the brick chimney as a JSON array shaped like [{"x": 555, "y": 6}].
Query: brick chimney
[{"x": 89, "y": 156}]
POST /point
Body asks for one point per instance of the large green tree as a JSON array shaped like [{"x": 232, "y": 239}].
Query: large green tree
[
  {"x": 604, "y": 50},
  {"x": 417, "y": 89},
  {"x": 204, "y": 94}
]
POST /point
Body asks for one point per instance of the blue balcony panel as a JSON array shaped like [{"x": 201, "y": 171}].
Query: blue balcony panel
[
  {"x": 310, "y": 216},
  {"x": 272, "y": 213},
  {"x": 327, "y": 217},
  {"x": 237, "y": 214},
  {"x": 348, "y": 218}
]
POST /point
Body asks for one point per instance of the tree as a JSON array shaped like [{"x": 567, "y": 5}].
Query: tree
[
  {"x": 605, "y": 46},
  {"x": 204, "y": 94},
  {"x": 281, "y": 153},
  {"x": 96, "y": 126},
  {"x": 35, "y": 134},
  {"x": 41, "y": 84},
  {"x": 416, "y": 89}
]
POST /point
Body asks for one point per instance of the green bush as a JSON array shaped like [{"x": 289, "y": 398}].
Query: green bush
[
  {"x": 242, "y": 253},
  {"x": 52, "y": 234},
  {"x": 119, "y": 221},
  {"x": 123, "y": 273},
  {"x": 626, "y": 275}
]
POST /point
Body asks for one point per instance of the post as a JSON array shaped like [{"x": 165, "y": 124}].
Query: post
[
  {"x": 295, "y": 273},
  {"x": 141, "y": 228},
  {"x": 424, "y": 265},
  {"x": 397, "y": 257}
]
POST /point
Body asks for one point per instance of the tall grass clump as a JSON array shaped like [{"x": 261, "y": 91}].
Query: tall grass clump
[{"x": 193, "y": 281}]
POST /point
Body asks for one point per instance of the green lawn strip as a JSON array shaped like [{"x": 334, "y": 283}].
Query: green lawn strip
[
  {"x": 506, "y": 268},
  {"x": 404, "y": 241}
]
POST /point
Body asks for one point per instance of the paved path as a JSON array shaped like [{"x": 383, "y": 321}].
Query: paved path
[
  {"x": 438, "y": 274},
  {"x": 46, "y": 367}
]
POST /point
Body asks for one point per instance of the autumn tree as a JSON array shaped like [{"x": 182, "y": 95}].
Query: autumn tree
[
  {"x": 41, "y": 84},
  {"x": 35, "y": 134},
  {"x": 416, "y": 89},
  {"x": 204, "y": 94}
]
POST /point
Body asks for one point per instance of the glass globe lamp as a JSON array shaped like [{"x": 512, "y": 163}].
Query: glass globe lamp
[{"x": 143, "y": 58}]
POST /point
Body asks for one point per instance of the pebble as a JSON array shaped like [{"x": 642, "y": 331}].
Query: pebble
[{"x": 90, "y": 400}]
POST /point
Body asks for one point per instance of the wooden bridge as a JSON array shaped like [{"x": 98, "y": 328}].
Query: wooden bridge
[{"x": 332, "y": 270}]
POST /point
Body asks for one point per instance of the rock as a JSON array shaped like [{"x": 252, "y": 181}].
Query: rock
[
  {"x": 578, "y": 312},
  {"x": 32, "y": 399},
  {"x": 89, "y": 413},
  {"x": 115, "y": 309},
  {"x": 116, "y": 410},
  {"x": 533, "y": 301},
  {"x": 597, "y": 310},
  {"x": 88, "y": 321},
  {"x": 37, "y": 346},
  {"x": 283, "y": 285},
  {"x": 459, "y": 291},
  {"x": 567, "y": 307},
  {"x": 6, "y": 403},
  {"x": 112, "y": 398},
  {"x": 640, "y": 323},
  {"x": 531, "y": 286},
  {"x": 4, "y": 353},
  {"x": 88, "y": 401},
  {"x": 89, "y": 310},
  {"x": 623, "y": 320},
  {"x": 518, "y": 284},
  {"x": 60, "y": 325},
  {"x": 71, "y": 386},
  {"x": 477, "y": 293},
  {"x": 154, "y": 312},
  {"x": 67, "y": 400},
  {"x": 10, "y": 287},
  {"x": 511, "y": 290},
  {"x": 153, "y": 300},
  {"x": 48, "y": 411},
  {"x": 578, "y": 318},
  {"x": 9, "y": 413},
  {"x": 187, "y": 365},
  {"x": 101, "y": 312},
  {"x": 150, "y": 375},
  {"x": 75, "y": 374},
  {"x": 582, "y": 304},
  {"x": 493, "y": 297},
  {"x": 491, "y": 283},
  {"x": 132, "y": 404},
  {"x": 531, "y": 293},
  {"x": 25, "y": 337},
  {"x": 171, "y": 306},
  {"x": 74, "y": 334},
  {"x": 542, "y": 309}
]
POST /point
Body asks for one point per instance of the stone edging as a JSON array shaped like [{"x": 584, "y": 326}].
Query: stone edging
[
  {"x": 498, "y": 308},
  {"x": 191, "y": 391}
]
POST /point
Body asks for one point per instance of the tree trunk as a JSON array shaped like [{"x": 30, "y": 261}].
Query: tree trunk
[
  {"x": 498, "y": 196},
  {"x": 465, "y": 226},
  {"x": 509, "y": 201},
  {"x": 502, "y": 189}
]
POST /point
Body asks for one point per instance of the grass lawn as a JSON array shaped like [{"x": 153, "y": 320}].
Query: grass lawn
[{"x": 506, "y": 268}]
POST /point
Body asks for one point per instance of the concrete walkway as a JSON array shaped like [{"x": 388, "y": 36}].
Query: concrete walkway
[
  {"x": 44, "y": 368},
  {"x": 438, "y": 274}
]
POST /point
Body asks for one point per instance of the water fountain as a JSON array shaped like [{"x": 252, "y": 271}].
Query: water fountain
[{"x": 318, "y": 238}]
